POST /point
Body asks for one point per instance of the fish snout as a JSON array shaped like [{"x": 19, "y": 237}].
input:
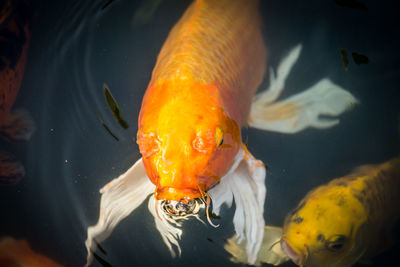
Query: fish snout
[{"x": 296, "y": 257}]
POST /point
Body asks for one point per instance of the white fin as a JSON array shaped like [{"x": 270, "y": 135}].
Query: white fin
[
  {"x": 246, "y": 184},
  {"x": 270, "y": 251},
  {"x": 119, "y": 198},
  {"x": 219, "y": 193},
  {"x": 167, "y": 227},
  {"x": 277, "y": 83},
  {"x": 302, "y": 110}
]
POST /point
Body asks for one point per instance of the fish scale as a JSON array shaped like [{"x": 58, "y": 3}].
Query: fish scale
[
  {"x": 215, "y": 46},
  {"x": 383, "y": 191}
]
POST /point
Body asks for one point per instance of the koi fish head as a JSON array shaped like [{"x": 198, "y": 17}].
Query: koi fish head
[
  {"x": 325, "y": 229},
  {"x": 187, "y": 142}
]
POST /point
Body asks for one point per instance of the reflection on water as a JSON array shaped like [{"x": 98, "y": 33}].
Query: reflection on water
[{"x": 76, "y": 47}]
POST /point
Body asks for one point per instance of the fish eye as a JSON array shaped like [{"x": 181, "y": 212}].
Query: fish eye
[
  {"x": 335, "y": 243},
  {"x": 219, "y": 136},
  {"x": 149, "y": 144}
]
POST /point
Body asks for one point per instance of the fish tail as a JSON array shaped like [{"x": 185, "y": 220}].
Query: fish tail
[
  {"x": 302, "y": 110},
  {"x": 17, "y": 126}
]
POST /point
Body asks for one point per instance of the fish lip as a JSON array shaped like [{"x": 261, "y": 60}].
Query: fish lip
[{"x": 297, "y": 258}]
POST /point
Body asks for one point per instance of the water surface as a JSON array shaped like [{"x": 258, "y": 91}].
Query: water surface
[{"x": 77, "y": 46}]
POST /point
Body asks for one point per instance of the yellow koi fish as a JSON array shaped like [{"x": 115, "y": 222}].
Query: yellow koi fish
[
  {"x": 337, "y": 224},
  {"x": 201, "y": 93}
]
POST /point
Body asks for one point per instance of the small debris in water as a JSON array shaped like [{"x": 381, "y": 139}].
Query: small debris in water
[
  {"x": 359, "y": 59},
  {"x": 107, "y": 4},
  {"x": 100, "y": 247},
  {"x": 102, "y": 261},
  {"x": 146, "y": 11},
  {"x": 112, "y": 104},
  {"x": 105, "y": 126},
  {"x": 345, "y": 58}
]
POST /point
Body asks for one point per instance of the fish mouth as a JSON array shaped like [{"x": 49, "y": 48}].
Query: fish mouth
[
  {"x": 296, "y": 257},
  {"x": 181, "y": 209}
]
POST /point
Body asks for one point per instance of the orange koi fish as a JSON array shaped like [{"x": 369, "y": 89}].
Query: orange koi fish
[
  {"x": 18, "y": 253},
  {"x": 14, "y": 42},
  {"x": 201, "y": 93}
]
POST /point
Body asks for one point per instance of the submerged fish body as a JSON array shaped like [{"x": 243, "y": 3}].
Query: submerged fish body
[
  {"x": 201, "y": 93},
  {"x": 14, "y": 43},
  {"x": 339, "y": 223},
  {"x": 14, "y": 253},
  {"x": 15, "y": 125}
]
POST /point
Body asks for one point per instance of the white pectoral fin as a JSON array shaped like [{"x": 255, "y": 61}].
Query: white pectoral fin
[
  {"x": 305, "y": 109},
  {"x": 270, "y": 251},
  {"x": 277, "y": 82},
  {"x": 246, "y": 184},
  {"x": 119, "y": 198},
  {"x": 302, "y": 110}
]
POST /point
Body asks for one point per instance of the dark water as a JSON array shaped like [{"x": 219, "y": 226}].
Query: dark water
[{"x": 77, "y": 46}]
